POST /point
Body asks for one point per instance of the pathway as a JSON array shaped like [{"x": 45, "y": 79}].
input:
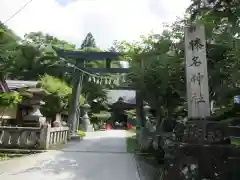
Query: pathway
[{"x": 101, "y": 156}]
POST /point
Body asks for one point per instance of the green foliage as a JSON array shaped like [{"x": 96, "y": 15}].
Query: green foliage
[
  {"x": 10, "y": 98},
  {"x": 7, "y": 33},
  {"x": 157, "y": 61},
  {"x": 98, "y": 119},
  {"x": 34, "y": 54},
  {"x": 54, "y": 85},
  {"x": 223, "y": 14},
  {"x": 131, "y": 113},
  {"x": 93, "y": 91},
  {"x": 157, "y": 69},
  {"x": 43, "y": 40},
  {"x": 222, "y": 23},
  {"x": 81, "y": 133},
  {"x": 8, "y": 45},
  {"x": 89, "y": 41},
  {"x": 131, "y": 142},
  {"x": 99, "y": 105},
  {"x": 57, "y": 95}
]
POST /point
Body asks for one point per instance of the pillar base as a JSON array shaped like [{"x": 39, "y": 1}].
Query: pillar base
[
  {"x": 87, "y": 128},
  {"x": 75, "y": 138}
]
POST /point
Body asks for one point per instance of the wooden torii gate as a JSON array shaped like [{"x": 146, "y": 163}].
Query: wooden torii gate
[{"x": 81, "y": 58}]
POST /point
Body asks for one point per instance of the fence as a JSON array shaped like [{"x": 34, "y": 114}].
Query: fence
[{"x": 32, "y": 138}]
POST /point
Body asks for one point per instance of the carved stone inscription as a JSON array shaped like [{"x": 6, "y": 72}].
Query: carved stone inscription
[{"x": 196, "y": 72}]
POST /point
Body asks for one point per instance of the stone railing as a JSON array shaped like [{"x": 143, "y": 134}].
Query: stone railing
[
  {"x": 56, "y": 136},
  {"x": 32, "y": 138}
]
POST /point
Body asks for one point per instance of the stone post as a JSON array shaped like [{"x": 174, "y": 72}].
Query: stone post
[
  {"x": 58, "y": 120},
  {"x": 197, "y": 75},
  {"x": 45, "y": 136},
  {"x": 196, "y": 72}
]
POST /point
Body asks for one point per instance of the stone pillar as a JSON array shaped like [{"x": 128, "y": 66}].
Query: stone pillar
[
  {"x": 197, "y": 75},
  {"x": 196, "y": 72},
  {"x": 45, "y": 136},
  {"x": 74, "y": 101},
  {"x": 58, "y": 120}
]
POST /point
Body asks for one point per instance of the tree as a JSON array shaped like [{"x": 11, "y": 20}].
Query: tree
[
  {"x": 91, "y": 90},
  {"x": 222, "y": 12},
  {"x": 157, "y": 64},
  {"x": 222, "y": 23},
  {"x": 44, "y": 40},
  {"x": 57, "y": 95},
  {"x": 89, "y": 41},
  {"x": 8, "y": 45},
  {"x": 35, "y": 54},
  {"x": 157, "y": 70},
  {"x": 9, "y": 99}
]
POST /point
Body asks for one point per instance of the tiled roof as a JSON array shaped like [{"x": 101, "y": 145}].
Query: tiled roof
[
  {"x": 17, "y": 84},
  {"x": 129, "y": 96}
]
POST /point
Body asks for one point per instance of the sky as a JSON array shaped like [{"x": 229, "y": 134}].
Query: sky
[{"x": 107, "y": 20}]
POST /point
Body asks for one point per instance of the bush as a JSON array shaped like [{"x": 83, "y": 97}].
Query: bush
[
  {"x": 10, "y": 98},
  {"x": 81, "y": 133},
  {"x": 99, "y": 119},
  {"x": 57, "y": 96}
]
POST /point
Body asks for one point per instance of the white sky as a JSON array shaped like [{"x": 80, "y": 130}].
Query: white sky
[
  {"x": 108, "y": 20},
  {"x": 127, "y": 95}
]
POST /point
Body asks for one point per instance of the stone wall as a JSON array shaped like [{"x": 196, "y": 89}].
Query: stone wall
[{"x": 32, "y": 138}]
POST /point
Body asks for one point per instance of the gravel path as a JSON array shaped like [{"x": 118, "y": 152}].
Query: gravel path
[{"x": 100, "y": 156}]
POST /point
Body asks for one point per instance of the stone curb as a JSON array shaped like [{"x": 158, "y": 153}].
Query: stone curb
[
  {"x": 145, "y": 170},
  {"x": 22, "y": 151}
]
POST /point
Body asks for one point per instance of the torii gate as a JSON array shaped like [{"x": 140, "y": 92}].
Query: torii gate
[{"x": 81, "y": 57}]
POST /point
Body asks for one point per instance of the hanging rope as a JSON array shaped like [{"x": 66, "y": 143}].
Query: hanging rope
[
  {"x": 17, "y": 12},
  {"x": 93, "y": 77}
]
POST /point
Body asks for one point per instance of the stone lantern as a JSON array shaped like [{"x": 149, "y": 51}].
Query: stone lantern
[
  {"x": 35, "y": 117},
  {"x": 86, "y": 125},
  {"x": 146, "y": 109}
]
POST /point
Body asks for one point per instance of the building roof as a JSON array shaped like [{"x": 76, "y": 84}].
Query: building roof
[
  {"x": 129, "y": 96},
  {"x": 131, "y": 101},
  {"x": 17, "y": 84}
]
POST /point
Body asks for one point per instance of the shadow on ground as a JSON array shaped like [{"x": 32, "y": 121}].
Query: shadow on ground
[
  {"x": 95, "y": 158},
  {"x": 148, "y": 167}
]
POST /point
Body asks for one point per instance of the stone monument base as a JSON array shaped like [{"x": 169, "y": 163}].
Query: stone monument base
[
  {"x": 90, "y": 128},
  {"x": 87, "y": 128},
  {"x": 76, "y": 138}
]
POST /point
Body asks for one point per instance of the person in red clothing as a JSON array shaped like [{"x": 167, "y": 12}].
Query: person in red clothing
[{"x": 129, "y": 126}]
